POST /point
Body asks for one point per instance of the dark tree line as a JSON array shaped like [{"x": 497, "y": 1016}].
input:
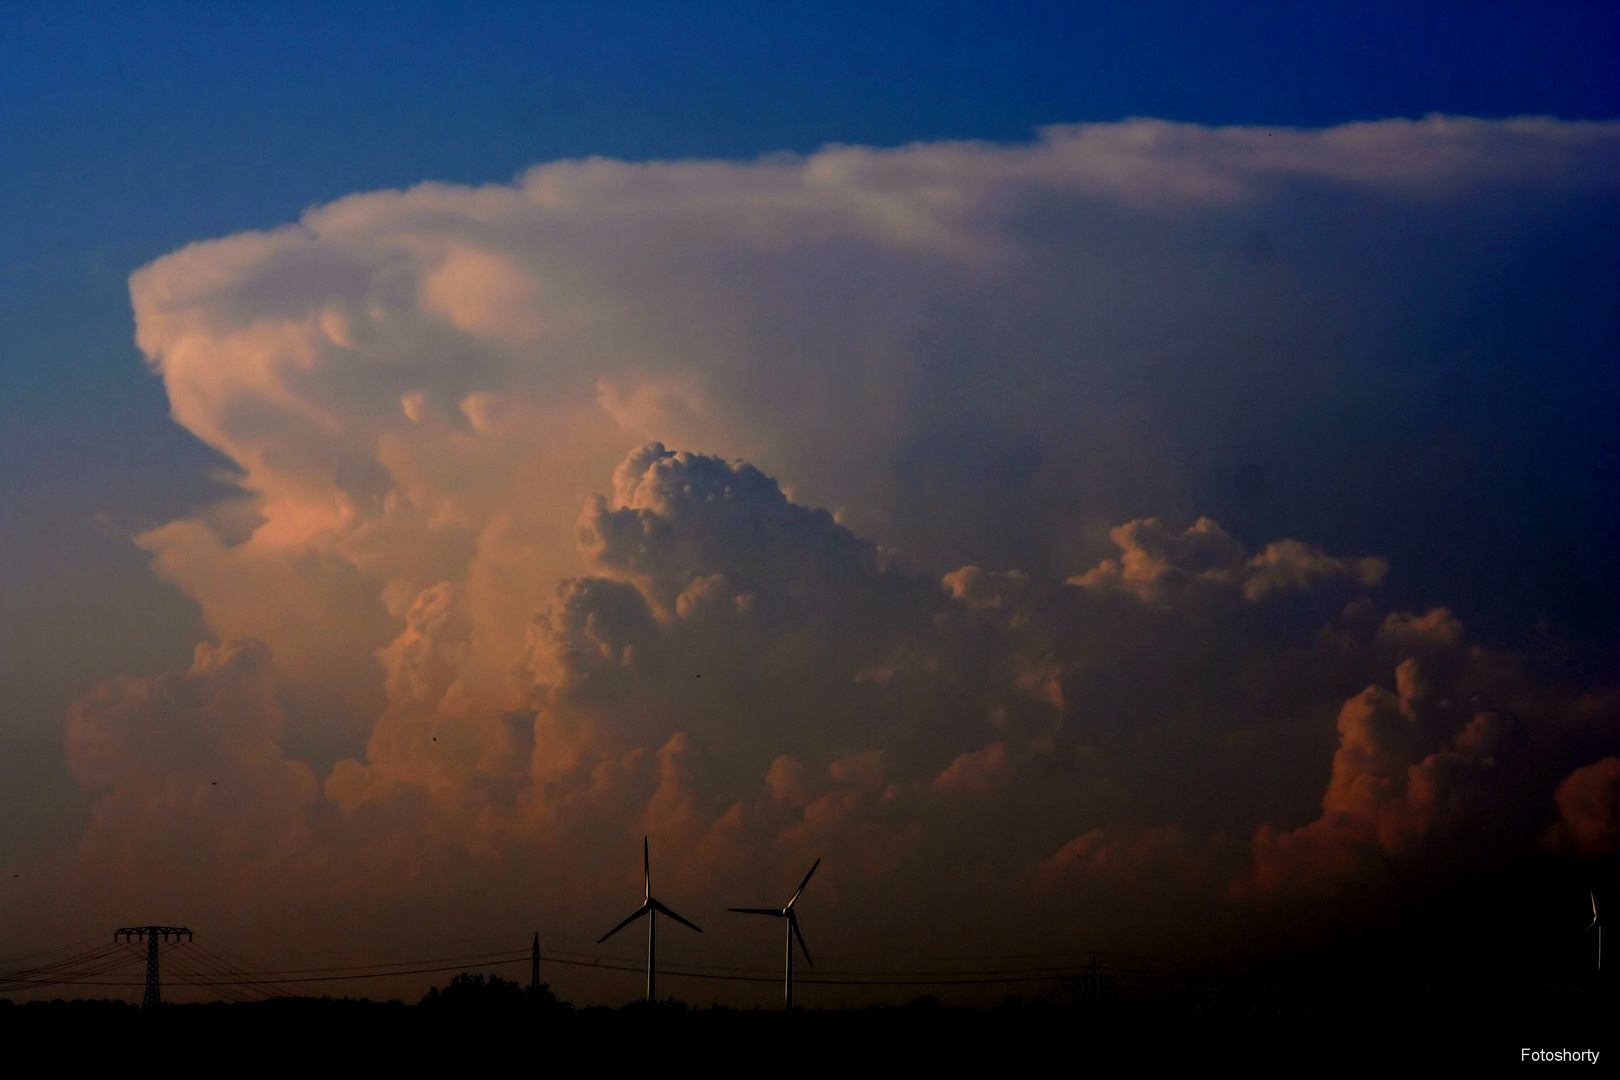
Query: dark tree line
[{"x": 469, "y": 991}]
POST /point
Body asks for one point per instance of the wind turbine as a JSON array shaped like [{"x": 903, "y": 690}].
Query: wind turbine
[
  {"x": 1594, "y": 924},
  {"x": 792, "y": 918},
  {"x": 649, "y": 908}
]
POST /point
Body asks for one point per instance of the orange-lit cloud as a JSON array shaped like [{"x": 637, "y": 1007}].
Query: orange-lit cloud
[
  {"x": 529, "y": 553},
  {"x": 1587, "y": 807}
]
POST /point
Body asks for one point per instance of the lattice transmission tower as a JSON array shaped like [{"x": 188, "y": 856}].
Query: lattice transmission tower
[
  {"x": 1092, "y": 985},
  {"x": 1094, "y": 982},
  {"x": 152, "y": 935}
]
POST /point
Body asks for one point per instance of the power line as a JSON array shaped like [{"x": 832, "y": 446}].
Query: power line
[
  {"x": 50, "y": 952},
  {"x": 230, "y": 975},
  {"x": 378, "y": 968}
]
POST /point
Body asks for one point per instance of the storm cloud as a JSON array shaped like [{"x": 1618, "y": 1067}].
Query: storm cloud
[{"x": 1035, "y": 521}]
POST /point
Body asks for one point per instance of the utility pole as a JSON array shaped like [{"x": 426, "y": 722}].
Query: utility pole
[
  {"x": 534, "y": 965},
  {"x": 151, "y": 935}
]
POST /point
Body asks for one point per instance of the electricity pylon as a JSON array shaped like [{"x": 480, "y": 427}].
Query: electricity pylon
[
  {"x": 151, "y": 935},
  {"x": 1093, "y": 984},
  {"x": 534, "y": 966}
]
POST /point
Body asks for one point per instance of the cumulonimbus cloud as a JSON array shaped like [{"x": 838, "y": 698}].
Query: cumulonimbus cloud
[{"x": 993, "y": 665}]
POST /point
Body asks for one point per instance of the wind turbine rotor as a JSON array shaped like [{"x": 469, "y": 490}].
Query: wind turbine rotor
[
  {"x": 656, "y": 906},
  {"x": 640, "y": 911},
  {"x": 802, "y": 884}
]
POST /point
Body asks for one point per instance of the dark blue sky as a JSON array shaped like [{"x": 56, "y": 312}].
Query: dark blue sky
[{"x": 127, "y": 130}]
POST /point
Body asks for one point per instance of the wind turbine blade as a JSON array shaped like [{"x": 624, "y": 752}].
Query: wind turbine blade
[
  {"x": 803, "y": 883},
  {"x": 646, "y": 868},
  {"x": 793, "y": 924},
  {"x": 1593, "y": 895},
  {"x": 671, "y": 914},
  {"x": 756, "y": 911},
  {"x": 640, "y": 911}
]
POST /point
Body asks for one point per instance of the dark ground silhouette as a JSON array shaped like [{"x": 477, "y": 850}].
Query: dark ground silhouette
[{"x": 477, "y": 1021}]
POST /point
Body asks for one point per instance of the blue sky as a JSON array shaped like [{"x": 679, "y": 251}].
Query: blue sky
[
  {"x": 130, "y": 130},
  {"x": 149, "y": 124}
]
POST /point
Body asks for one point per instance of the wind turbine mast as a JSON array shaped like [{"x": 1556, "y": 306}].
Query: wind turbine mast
[
  {"x": 652, "y": 923},
  {"x": 650, "y": 907},
  {"x": 791, "y": 917}
]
